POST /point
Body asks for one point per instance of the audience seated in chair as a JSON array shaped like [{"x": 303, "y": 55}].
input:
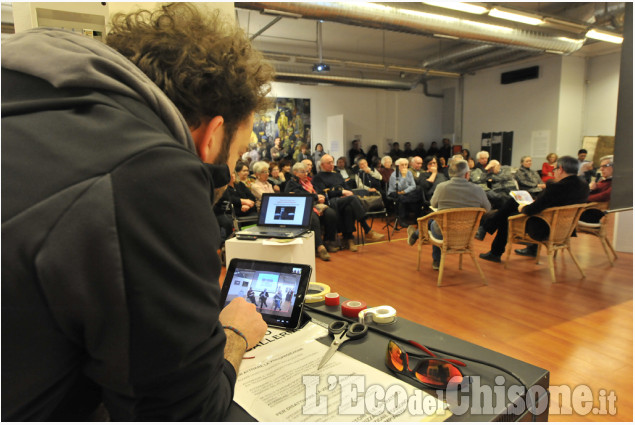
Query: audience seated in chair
[
  {"x": 322, "y": 215},
  {"x": 528, "y": 179},
  {"x": 403, "y": 189},
  {"x": 275, "y": 178},
  {"x": 566, "y": 189},
  {"x": 458, "y": 192},
  {"x": 261, "y": 185},
  {"x": 241, "y": 197},
  {"x": 433, "y": 176},
  {"x": 348, "y": 207}
]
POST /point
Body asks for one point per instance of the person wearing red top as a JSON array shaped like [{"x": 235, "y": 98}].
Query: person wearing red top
[
  {"x": 547, "y": 167},
  {"x": 601, "y": 190}
]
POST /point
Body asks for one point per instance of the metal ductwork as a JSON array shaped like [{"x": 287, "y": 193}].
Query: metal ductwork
[
  {"x": 412, "y": 21},
  {"x": 345, "y": 81},
  {"x": 457, "y": 54}
]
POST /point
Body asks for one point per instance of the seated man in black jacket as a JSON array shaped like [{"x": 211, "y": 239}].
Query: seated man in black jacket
[
  {"x": 349, "y": 208},
  {"x": 566, "y": 189}
]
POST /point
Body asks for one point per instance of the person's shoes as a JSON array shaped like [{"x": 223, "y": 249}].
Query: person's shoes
[
  {"x": 331, "y": 246},
  {"x": 480, "y": 233},
  {"x": 373, "y": 236},
  {"x": 530, "y": 251},
  {"x": 435, "y": 265},
  {"x": 350, "y": 245},
  {"x": 323, "y": 253},
  {"x": 490, "y": 257},
  {"x": 412, "y": 237}
]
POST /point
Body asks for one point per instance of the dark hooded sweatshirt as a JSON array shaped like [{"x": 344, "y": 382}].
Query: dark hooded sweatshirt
[{"x": 109, "y": 267}]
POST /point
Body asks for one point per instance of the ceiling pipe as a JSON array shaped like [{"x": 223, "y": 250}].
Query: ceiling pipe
[
  {"x": 399, "y": 19},
  {"x": 457, "y": 54},
  {"x": 345, "y": 81}
]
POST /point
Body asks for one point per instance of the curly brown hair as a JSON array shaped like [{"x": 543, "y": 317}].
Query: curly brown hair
[{"x": 204, "y": 63}]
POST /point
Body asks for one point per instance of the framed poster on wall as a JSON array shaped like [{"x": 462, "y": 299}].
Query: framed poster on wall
[{"x": 289, "y": 120}]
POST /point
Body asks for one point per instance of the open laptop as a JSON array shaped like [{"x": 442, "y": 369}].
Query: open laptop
[{"x": 282, "y": 215}]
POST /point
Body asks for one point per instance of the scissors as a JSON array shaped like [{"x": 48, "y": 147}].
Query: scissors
[{"x": 342, "y": 331}]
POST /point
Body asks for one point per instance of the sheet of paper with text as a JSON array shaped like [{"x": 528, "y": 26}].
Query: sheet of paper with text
[{"x": 282, "y": 384}]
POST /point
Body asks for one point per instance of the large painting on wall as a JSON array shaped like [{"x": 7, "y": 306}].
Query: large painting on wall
[{"x": 289, "y": 120}]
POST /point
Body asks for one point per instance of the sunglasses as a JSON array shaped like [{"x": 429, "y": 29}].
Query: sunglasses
[
  {"x": 610, "y": 164},
  {"x": 430, "y": 370}
]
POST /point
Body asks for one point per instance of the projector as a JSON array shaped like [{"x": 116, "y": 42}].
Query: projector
[{"x": 321, "y": 67}]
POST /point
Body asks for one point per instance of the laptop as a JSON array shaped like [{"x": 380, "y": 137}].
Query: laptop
[{"x": 282, "y": 215}]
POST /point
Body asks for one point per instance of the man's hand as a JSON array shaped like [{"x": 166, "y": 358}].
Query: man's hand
[
  {"x": 276, "y": 188},
  {"x": 244, "y": 208},
  {"x": 243, "y": 316},
  {"x": 247, "y": 202},
  {"x": 520, "y": 208},
  {"x": 321, "y": 199},
  {"x": 346, "y": 192},
  {"x": 372, "y": 189},
  {"x": 542, "y": 185},
  {"x": 593, "y": 185}
]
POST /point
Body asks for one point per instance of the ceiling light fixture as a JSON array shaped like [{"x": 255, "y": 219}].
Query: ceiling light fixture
[
  {"x": 604, "y": 36},
  {"x": 515, "y": 16},
  {"x": 455, "y": 5},
  {"x": 320, "y": 66}
]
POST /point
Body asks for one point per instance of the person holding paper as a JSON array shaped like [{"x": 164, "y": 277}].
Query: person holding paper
[
  {"x": 110, "y": 293},
  {"x": 566, "y": 189}
]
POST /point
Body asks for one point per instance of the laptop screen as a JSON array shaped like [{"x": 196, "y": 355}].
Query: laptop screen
[{"x": 286, "y": 210}]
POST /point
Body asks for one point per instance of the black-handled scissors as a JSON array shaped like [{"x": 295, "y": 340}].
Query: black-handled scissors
[{"x": 342, "y": 331}]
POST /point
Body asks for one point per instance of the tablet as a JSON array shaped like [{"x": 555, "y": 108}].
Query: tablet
[{"x": 277, "y": 289}]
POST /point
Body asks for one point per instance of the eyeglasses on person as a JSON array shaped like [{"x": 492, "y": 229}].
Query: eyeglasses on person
[{"x": 430, "y": 370}]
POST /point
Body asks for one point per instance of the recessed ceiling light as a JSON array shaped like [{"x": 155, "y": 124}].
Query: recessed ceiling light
[
  {"x": 455, "y": 5},
  {"x": 604, "y": 36},
  {"x": 514, "y": 16}
]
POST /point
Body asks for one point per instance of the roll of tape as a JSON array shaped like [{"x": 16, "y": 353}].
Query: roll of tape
[
  {"x": 319, "y": 291},
  {"x": 352, "y": 308},
  {"x": 332, "y": 298},
  {"x": 381, "y": 314}
]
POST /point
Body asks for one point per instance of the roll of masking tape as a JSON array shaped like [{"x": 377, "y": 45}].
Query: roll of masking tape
[
  {"x": 332, "y": 298},
  {"x": 382, "y": 314},
  {"x": 316, "y": 292},
  {"x": 352, "y": 308}
]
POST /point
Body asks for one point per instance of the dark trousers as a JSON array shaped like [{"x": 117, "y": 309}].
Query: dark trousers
[
  {"x": 535, "y": 226},
  {"x": 349, "y": 209},
  {"x": 329, "y": 220}
]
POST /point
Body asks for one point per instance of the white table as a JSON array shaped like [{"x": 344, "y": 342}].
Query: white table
[{"x": 300, "y": 250}]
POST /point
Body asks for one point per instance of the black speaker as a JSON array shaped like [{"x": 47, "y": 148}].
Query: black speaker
[{"x": 519, "y": 75}]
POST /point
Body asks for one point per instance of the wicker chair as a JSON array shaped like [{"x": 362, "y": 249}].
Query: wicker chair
[
  {"x": 561, "y": 221},
  {"x": 458, "y": 227},
  {"x": 599, "y": 230}
]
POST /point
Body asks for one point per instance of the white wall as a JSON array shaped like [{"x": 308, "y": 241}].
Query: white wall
[
  {"x": 374, "y": 114},
  {"x": 602, "y": 82},
  {"x": 570, "y": 107},
  {"x": 571, "y": 98},
  {"x": 522, "y": 107}
]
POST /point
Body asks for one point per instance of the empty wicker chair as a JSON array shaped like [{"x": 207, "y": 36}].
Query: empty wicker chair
[
  {"x": 598, "y": 229},
  {"x": 458, "y": 227},
  {"x": 561, "y": 221}
]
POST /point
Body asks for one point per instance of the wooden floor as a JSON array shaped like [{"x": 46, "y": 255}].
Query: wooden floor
[{"x": 581, "y": 330}]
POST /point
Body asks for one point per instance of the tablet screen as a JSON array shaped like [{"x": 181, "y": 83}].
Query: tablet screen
[{"x": 277, "y": 289}]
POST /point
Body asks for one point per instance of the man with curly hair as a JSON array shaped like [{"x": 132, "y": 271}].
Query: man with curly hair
[{"x": 110, "y": 275}]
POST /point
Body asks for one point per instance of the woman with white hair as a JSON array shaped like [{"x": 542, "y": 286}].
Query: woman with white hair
[
  {"x": 386, "y": 168},
  {"x": 261, "y": 185},
  {"x": 403, "y": 189}
]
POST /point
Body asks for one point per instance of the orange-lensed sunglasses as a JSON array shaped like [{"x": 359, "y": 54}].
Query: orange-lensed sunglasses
[{"x": 430, "y": 370}]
